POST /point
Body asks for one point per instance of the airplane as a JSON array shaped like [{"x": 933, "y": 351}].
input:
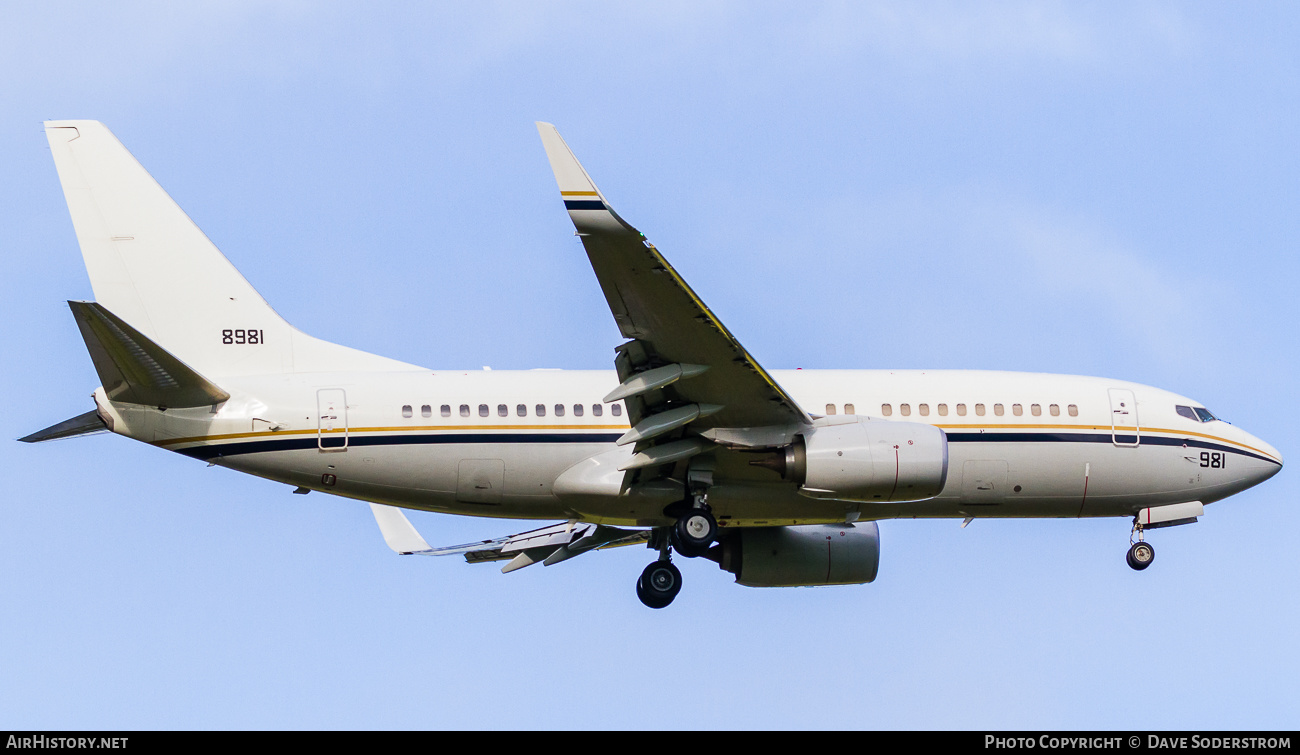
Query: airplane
[{"x": 689, "y": 446}]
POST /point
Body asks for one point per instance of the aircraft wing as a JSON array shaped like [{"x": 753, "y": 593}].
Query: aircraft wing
[
  {"x": 548, "y": 545},
  {"x": 681, "y": 367}
]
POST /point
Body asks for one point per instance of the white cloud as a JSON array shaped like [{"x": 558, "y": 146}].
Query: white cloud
[
  {"x": 1153, "y": 304},
  {"x": 1002, "y": 277}
]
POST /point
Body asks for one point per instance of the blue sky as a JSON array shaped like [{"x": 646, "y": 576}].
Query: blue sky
[{"x": 1103, "y": 188}]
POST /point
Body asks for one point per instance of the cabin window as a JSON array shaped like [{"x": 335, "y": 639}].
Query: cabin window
[
  {"x": 905, "y": 409},
  {"x": 1073, "y": 409},
  {"x": 446, "y": 410},
  {"x": 943, "y": 410},
  {"x": 521, "y": 410},
  {"x": 540, "y": 410},
  {"x": 1054, "y": 410},
  {"x": 830, "y": 408},
  {"x": 961, "y": 410},
  {"x": 1036, "y": 410},
  {"x": 577, "y": 410},
  {"x": 597, "y": 410},
  {"x": 617, "y": 409},
  {"x": 1017, "y": 409},
  {"x": 999, "y": 410},
  {"x": 503, "y": 410},
  {"x": 559, "y": 410},
  {"x": 923, "y": 409},
  {"x": 406, "y": 410},
  {"x": 464, "y": 410},
  {"x": 979, "y": 409},
  {"x": 426, "y": 411},
  {"x": 482, "y": 410},
  {"x": 886, "y": 409},
  {"x": 850, "y": 409}
]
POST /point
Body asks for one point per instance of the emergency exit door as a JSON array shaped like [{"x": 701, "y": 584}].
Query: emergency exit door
[{"x": 332, "y": 423}]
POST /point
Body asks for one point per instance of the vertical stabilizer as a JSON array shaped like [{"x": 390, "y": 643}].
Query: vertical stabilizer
[{"x": 151, "y": 266}]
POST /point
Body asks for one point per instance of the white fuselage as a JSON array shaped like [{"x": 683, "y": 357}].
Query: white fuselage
[{"x": 475, "y": 443}]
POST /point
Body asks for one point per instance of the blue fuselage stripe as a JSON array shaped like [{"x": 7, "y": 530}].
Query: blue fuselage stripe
[
  {"x": 1147, "y": 440},
  {"x": 214, "y": 450},
  {"x": 354, "y": 441}
]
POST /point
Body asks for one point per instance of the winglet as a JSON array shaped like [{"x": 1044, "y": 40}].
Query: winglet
[
  {"x": 575, "y": 185},
  {"x": 397, "y": 530},
  {"x": 587, "y": 207}
]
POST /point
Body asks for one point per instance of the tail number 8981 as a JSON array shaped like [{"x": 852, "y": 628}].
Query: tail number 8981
[{"x": 241, "y": 336}]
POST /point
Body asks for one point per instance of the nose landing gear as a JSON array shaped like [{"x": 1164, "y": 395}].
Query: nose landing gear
[{"x": 1140, "y": 553}]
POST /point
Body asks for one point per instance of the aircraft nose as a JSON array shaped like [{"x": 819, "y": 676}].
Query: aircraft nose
[{"x": 1268, "y": 465}]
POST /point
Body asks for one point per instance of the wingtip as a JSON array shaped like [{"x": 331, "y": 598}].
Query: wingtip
[
  {"x": 546, "y": 130},
  {"x": 569, "y": 173}
]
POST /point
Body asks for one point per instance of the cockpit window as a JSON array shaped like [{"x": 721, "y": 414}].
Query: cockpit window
[{"x": 1198, "y": 413}]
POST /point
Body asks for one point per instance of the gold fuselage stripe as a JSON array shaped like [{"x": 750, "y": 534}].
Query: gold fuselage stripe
[
  {"x": 1108, "y": 428},
  {"x": 397, "y": 429},
  {"x": 483, "y": 428}
]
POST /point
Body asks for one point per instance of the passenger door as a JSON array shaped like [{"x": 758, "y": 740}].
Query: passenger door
[{"x": 1124, "y": 429}]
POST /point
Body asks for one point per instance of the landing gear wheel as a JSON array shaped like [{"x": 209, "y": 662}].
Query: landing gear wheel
[
  {"x": 659, "y": 584},
  {"x": 694, "y": 532},
  {"x": 1141, "y": 555}
]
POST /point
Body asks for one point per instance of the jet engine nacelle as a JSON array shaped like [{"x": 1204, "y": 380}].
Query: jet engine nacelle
[
  {"x": 803, "y": 556},
  {"x": 868, "y": 460}
]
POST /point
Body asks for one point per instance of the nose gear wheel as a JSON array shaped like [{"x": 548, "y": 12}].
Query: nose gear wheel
[{"x": 1140, "y": 555}]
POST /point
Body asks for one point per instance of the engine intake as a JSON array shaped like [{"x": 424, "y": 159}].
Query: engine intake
[{"x": 802, "y": 556}]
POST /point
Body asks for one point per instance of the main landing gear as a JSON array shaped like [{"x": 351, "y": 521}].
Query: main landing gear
[
  {"x": 695, "y": 531},
  {"x": 1140, "y": 553},
  {"x": 692, "y": 535},
  {"x": 659, "y": 584}
]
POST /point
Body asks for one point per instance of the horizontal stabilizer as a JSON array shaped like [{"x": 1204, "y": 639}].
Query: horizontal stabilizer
[
  {"x": 134, "y": 369},
  {"x": 82, "y": 424}
]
